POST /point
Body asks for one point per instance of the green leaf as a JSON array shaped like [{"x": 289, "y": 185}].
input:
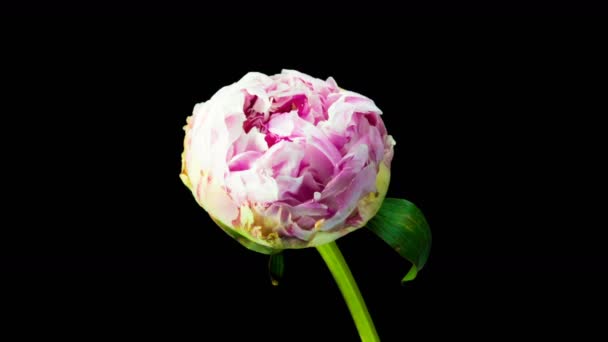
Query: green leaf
[
  {"x": 276, "y": 265},
  {"x": 403, "y": 226}
]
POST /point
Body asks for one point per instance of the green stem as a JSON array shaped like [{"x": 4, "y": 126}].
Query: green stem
[{"x": 339, "y": 269}]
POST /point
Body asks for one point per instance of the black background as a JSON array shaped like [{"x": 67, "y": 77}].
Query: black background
[{"x": 498, "y": 142}]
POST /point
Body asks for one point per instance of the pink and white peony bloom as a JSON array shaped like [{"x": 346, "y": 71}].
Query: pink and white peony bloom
[{"x": 287, "y": 161}]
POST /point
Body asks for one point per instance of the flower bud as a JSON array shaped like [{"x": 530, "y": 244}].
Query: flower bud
[{"x": 287, "y": 161}]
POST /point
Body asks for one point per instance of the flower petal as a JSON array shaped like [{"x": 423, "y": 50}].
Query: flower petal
[{"x": 346, "y": 200}]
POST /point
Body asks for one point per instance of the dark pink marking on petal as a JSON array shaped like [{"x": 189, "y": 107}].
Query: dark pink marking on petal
[
  {"x": 254, "y": 120},
  {"x": 272, "y": 138},
  {"x": 299, "y": 102},
  {"x": 372, "y": 118},
  {"x": 243, "y": 161},
  {"x": 250, "y": 101}
]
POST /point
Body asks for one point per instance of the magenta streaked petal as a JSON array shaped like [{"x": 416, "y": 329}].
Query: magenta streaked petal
[
  {"x": 252, "y": 141},
  {"x": 283, "y": 158},
  {"x": 319, "y": 162},
  {"x": 376, "y": 144},
  {"x": 356, "y": 159},
  {"x": 295, "y": 230},
  {"x": 321, "y": 143},
  {"x": 282, "y": 215},
  {"x": 243, "y": 161},
  {"x": 289, "y": 186},
  {"x": 297, "y": 102},
  {"x": 272, "y": 139},
  {"x": 302, "y": 189},
  {"x": 310, "y": 209},
  {"x": 306, "y": 222},
  {"x": 254, "y": 120},
  {"x": 345, "y": 201},
  {"x": 338, "y": 184}
]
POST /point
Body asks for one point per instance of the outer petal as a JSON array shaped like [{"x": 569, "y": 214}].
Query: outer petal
[
  {"x": 215, "y": 200},
  {"x": 368, "y": 206},
  {"x": 345, "y": 200}
]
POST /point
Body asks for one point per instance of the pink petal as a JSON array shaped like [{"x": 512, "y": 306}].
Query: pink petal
[
  {"x": 251, "y": 186},
  {"x": 345, "y": 202},
  {"x": 252, "y": 141},
  {"x": 243, "y": 161},
  {"x": 217, "y": 202},
  {"x": 310, "y": 209},
  {"x": 282, "y": 158}
]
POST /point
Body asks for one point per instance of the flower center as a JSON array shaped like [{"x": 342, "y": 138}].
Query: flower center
[{"x": 256, "y": 119}]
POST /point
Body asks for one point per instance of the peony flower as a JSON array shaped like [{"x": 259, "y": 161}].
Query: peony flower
[
  {"x": 287, "y": 161},
  {"x": 291, "y": 161}
]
